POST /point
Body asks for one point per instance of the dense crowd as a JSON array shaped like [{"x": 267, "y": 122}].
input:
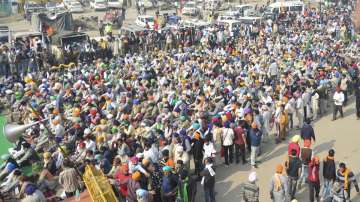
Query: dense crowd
[{"x": 140, "y": 107}]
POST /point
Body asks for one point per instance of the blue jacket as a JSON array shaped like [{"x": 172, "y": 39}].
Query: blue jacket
[
  {"x": 255, "y": 137},
  {"x": 307, "y": 132}
]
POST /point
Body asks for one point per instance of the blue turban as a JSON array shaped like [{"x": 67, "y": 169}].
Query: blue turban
[
  {"x": 30, "y": 189},
  {"x": 166, "y": 169},
  {"x": 141, "y": 193},
  {"x": 196, "y": 126}
]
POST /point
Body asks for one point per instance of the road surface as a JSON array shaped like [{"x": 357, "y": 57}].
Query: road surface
[{"x": 343, "y": 135}]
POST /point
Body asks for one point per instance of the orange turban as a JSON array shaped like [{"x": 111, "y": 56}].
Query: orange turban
[
  {"x": 55, "y": 122},
  {"x": 316, "y": 159},
  {"x": 197, "y": 135},
  {"x": 145, "y": 162},
  {"x": 162, "y": 142},
  {"x": 76, "y": 112},
  {"x": 55, "y": 111},
  {"x": 279, "y": 169},
  {"x": 253, "y": 125},
  {"x": 100, "y": 139},
  {"x": 125, "y": 168},
  {"x": 136, "y": 176}
]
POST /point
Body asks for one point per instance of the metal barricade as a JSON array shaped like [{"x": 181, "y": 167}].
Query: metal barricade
[{"x": 98, "y": 185}]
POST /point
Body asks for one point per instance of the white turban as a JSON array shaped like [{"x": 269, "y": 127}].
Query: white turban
[
  {"x": 179, "y": 149},
  {"x": 87, "y": 131},
  {"x": 252, "y": 177}
]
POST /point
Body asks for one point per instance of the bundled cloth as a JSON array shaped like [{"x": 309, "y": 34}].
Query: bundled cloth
[{"x": 211, "y": 172}]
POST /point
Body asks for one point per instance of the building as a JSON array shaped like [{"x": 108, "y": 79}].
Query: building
[{"x": 5, "y": 8}]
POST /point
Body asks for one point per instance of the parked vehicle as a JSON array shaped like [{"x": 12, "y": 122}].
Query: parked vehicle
[
  {"x": 251, "y": 13},
  {"x": 212, "y": 5},
  {"x": 67, "y": 2},
  {"x": 164, "y": 5},
  {"x": 232, "y": 12},
  {"x": 195, "y": 24},
  {"x": 226, "y": 17},
  {"x": 19, "y": 36},
  {"x": 173, "y": 19},
  {"x": 330, "y": 3},
  {"x": 224, "y": 6},
  {"x": 128, "y": 29},
  {"x": 114, "y": 17},
  {"x": 142, "y": 20},
  {"x": 75, "y": 7},
  {"x": 190, "y": 9},
  {"x": 146, "y": 4},
  {"x": 274, "y": 10},
  {"x": 232, "y": 25},
  {"x": 98, "y": 5},
  {"x": 114, "y": 4},
  {"x": 53, "y": 6},
  {"x": 242, "y": 8},
  {"x": 4, "y": 34},
  {"x": 32, "y": 7},
  {"x": 250, "y": 20}
]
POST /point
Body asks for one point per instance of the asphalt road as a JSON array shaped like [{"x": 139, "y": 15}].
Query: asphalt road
[{"x": 343, "y": 135}]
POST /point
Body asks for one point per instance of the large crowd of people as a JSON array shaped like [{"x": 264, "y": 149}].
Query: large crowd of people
[{"x": 143, "y": 108}]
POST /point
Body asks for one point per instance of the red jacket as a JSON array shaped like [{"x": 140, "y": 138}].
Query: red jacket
[
  {"x": 313, "y": 172},
  {"x": 238, "y": 132},
  {"x": 123, "y": 179},
  {"x": 295, "y": 146}
]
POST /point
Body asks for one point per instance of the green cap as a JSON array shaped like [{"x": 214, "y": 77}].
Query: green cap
[
  {"x": 114, "y": 130},
  {"x": 18, "y": 95}
]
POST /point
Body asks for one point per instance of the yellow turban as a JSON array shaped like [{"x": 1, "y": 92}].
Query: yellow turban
[
  {"x": 136, "y": 176},
  {"x": 295, "y": 138}
]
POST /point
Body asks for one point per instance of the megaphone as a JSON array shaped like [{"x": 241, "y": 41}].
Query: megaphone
[{"x": 12, "y": 132}]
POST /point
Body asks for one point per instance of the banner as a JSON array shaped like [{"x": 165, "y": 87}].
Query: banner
[{"x": 53, "y": 24}]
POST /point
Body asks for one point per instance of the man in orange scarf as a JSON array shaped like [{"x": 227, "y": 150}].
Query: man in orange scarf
[
  {"x": 305, "y": 156},
  {"x": 313, "y": 179},
  {"x": 279, "y": 185},
  {"x": 345, "y": 176}
]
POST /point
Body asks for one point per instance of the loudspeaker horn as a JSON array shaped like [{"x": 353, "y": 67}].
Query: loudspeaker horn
[{"x": 12, "y": 132}]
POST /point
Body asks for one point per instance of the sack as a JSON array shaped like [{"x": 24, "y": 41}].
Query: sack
[{"x": 222, "y": 152}]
